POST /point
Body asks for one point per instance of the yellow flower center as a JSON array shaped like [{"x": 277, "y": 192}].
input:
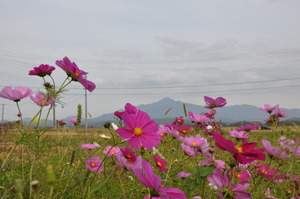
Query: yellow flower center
[
  {"x": 89, "y": 147},
  {"x": 264, "y": 171},
  {"x": 158, "y": 164},
  {"x": 238, "y": 175},
  {"x": 194, "y": 143},
  {"x": 112, "y": 152},
  {"x": 239, "y": 148},
  {"x": 77, "y": 74},
  {"x": 128, "y": 156},
  {"x": 42, "y": 102},
  {"x": 184, "y": 131},
  {"x": 92, "y": 164},
  {"x": 137, "y": 131},
  {"x": 161, "y": 134}
]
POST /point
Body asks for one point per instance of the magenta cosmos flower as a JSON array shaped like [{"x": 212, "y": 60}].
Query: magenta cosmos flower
[
  {"x": 42, "y": 70},
  {"x": 75, "y": 73},
  {"x": 147, "y": 177},
  {"x": 160, "y": 163},
  {"x": 224, "y": 185},
  {"x": 242, "y": 153},
  {"x": 15, "y": 94},
  {"x": 94, "y": 164},
  {"x": 214, "y": 103},
  {"x": 41, "y": 100},
  {"x": 139, "y": 130}
]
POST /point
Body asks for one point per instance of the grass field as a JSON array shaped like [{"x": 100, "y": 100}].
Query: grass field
[{"x": 55, "y": 161}]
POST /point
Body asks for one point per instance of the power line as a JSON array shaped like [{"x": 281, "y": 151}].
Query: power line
[{"x": 185, "y": 86}]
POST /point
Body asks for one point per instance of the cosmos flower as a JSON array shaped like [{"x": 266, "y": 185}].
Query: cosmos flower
[
  {"x": 223, "y": 183},
  {"x": 242, "y": 153},
  {"x": 268, "y": 108},
  {"x": 273, "y": 151},
  {"x": 160, "y": 163},
  {"x": 111, "y": 151},
  {"x": 214, "y": 103},
  {"x": 140, "y": 130},
  {"x": 93, "y": 163},
  {"x": 183, "y": 175},
  {"x": 41, "y": 100},
  {"x": 89, "y": 146},
  {"x": 238, "y": 134},
  {"x": 147, "y": 177},
  {"x": 194, "y": 117},
  {"x": 15, "y": 94},
  {"x": 42, "y": 70},
  {"x": 248, "y": 127},
  {"x": 75, "y": 73},
  {"x": 128, "y": 159}
]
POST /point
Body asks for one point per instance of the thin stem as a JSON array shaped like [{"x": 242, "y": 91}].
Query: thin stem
[{"x": 20, "y": 113}]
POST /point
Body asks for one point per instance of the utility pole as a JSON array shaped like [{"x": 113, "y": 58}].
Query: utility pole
[
  {"x": 2, "y": 123},
  {"x": 85, "y": 97}
]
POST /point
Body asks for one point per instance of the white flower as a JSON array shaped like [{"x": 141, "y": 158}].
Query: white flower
[
  {"x": 209, "y": 127},
  {"x": 157, "y": 152},
  {"x": 104, "y": 136},
  {"x": 114, "y": 126},
  {"x": 95, "y": 143}
]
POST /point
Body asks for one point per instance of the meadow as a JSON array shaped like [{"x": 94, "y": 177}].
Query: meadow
[{"x": 133, "y": 157}]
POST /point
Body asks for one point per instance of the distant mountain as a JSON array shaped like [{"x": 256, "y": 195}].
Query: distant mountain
[{"x": 167, "y": 109}]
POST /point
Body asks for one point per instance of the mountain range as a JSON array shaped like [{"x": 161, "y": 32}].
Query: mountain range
[{"x": 167, "y": 109}]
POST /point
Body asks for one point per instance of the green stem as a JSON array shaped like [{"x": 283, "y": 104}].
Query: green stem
[{"x": 20, "y": 113}]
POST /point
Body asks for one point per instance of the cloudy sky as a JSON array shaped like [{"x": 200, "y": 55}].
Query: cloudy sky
[{"x": 247, "y": 51}]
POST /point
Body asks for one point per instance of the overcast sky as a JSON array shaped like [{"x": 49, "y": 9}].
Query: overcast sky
[{"x": 247, "y": 51}]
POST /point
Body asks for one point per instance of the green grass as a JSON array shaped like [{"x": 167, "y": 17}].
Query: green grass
[{"x": 69, "y": 177}]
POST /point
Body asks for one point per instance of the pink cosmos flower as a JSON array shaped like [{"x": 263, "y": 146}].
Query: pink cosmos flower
[
  {"x": 75, "y": 73},
  {"x": 268, "y": 108},
  {"x": 93, "y": 163},
  {"x": 140, "y": 130},
  {"x": 223, "y": 183},
  {"x": 89, "y": 146},
  {"x": 73, "y": 120},
  {"x": 42, "y": 70},
  {"x": 267, "y": 172},
  {"x": 197, "y": 142},
  {"x": 15, "y": 94},
  {"x": 194, "y": 117},
  {"x": 273, "y": 151},
  {"x": 242, "y": 153},
  {"x": 211, "y": 114},
  {"x": 147, "y": 177},
  {"x": 238, "y": 134},
  {"x": 280, "y": 113},
  {"x": 111, "y": 151},
  {"x": 192, "y": 152},
  {"x": 183, "y": 129},
  {"x": 214, "y": 103},
  {"x": 210, "y": 160},
  {"x": 160, "y": 163},
  {"x": 183, "y": 175},
  {"x": 41, "y": 100},
  {"x": 249, "y": 127}
]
